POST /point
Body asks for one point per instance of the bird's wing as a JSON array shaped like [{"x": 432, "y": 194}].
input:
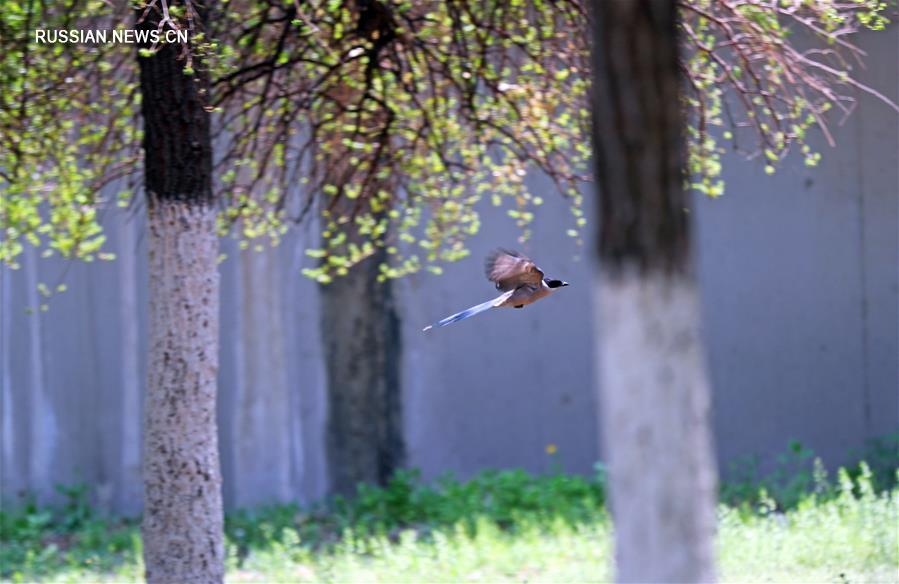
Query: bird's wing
[
  {"x": 468, "y": 312},
  {"x": 509, "y": 270}
]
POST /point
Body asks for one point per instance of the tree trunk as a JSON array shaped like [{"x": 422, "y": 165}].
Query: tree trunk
[
  {"x": 654, "y": 395},
  {"x": 362, "y": 348},
  {"x": 182, "y": 527},
  {"x": 361, "y": 341}
]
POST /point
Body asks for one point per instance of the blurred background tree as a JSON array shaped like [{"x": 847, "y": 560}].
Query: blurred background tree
[{"x": 654, "y": 395}]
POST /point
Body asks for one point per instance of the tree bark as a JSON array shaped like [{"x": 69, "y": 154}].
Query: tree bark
[
  {"x": 362, "y": 347},
  {"x": 182, "y": 526},
  {"x": 183, "y": 523},
  {"x": 654, "y": 395},
  {"x": 361, "y": 341}
]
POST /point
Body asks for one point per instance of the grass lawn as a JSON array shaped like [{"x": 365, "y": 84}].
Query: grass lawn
[
  {"x": 838, "y": 541},
  {"x": 506, "y": 526}
]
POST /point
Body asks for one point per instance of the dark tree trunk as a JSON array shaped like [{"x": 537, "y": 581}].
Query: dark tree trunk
[
  {"x": 182, "y": 526},
  {"x": 362, "y": 347},
  {"x": 638, "y": 138},
  {"x": 361, "y": 341},
  {"x": 654, "y": 394}
]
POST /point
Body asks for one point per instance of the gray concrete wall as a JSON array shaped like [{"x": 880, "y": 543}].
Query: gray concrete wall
[{"x": 798, "y": 273}]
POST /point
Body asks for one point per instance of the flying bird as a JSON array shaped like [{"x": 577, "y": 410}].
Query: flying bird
[{"x": 521, "y": 281}]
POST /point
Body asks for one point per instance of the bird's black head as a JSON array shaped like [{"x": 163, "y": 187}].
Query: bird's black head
[{"x": 555, "y": 283}]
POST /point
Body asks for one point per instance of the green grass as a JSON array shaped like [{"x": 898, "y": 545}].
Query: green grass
[{"x": 500, "y": 526}]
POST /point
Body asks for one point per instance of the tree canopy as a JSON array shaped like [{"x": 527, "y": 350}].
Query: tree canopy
[{"x": 454, "y": 101}]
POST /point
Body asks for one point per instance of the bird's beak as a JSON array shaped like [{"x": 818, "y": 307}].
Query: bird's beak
[{"x": 564, "y": 283}]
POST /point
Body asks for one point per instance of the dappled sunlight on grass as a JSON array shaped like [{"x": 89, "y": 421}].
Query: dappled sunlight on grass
[
  {"x": 490, "y": 555},
  {"x": 500, "y": 526},
  {"x": 849, "y": 538}
]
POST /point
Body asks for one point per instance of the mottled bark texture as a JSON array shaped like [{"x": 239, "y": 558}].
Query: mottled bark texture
[
  {"x": 183, "y": 522},
  {"x": 654, "y": 394},
  {"x": 361, "y": 342},
  {"x": 182, "y": 526}
]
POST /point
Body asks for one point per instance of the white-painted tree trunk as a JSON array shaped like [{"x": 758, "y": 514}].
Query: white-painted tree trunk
[
  {"x": 654, "y": 394},
  {"x": 182, "y": 481},
  {"x": 654, "y": 405}
]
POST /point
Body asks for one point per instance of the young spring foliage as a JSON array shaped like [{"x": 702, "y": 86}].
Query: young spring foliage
[
  {"x": 450, "y": 101},
  {"x": 454, "y": 102},
  {"x": 761, "y": 73},
  {"x": 67, "y": 128}
]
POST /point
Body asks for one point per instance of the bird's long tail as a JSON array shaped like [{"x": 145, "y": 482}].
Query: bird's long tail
[{"x": 469, "y": 312}]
